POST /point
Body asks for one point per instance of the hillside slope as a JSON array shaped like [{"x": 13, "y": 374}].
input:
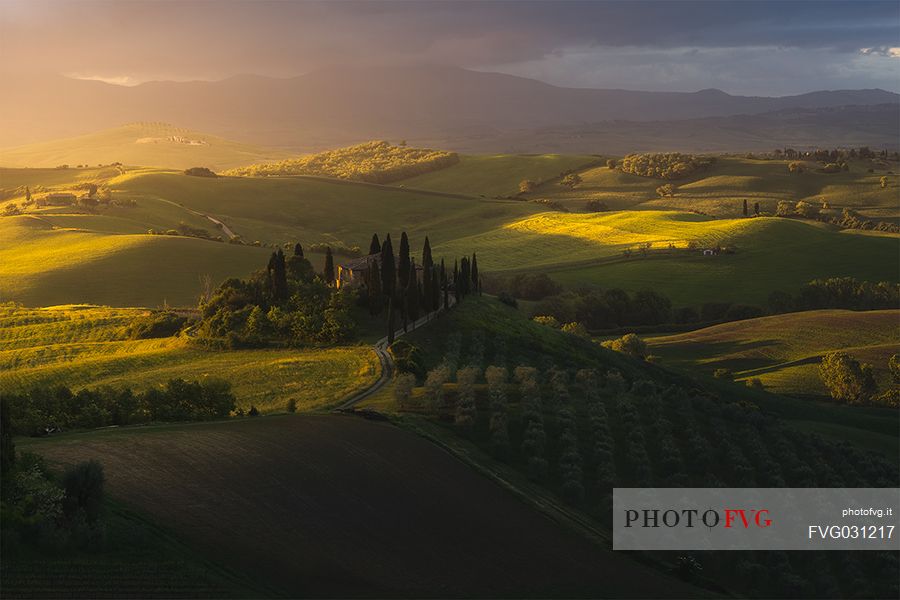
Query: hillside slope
[
  {"x": 350, "y": 104},
  {"x": 783, "y": 350},
  {"x": 88, "y": 346},
  {"x": 146, "y": 144},
  {"x": 41, "y": 265}
]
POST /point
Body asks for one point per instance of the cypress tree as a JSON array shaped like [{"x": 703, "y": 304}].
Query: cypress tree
[
  {"x": 388, "y": 267},
  {"x": 374, "y": 245},
  {"x": 465, "y": 276},
  {"x": 270, "y": 292},
  {"x": 435, "y": 291},
  {"x": 390, "y": 323},
  {"x": 298, "y": 250},
  {"x": 475, "y": 286},
  {"x": 427, "y": 261},
  {"x": 376, "y": 299},
  {"x": 412, "y": 294},
  {"x": 328, "y": 272},
  {"x": 27, "y": 195},
  {"x": 444, "y": 285},
  {"x": 426, "y": 290},
  {"x": 281, "y": 276},
  {"x": 456, "y": 291},
  {"x": 427, "y": 277},
  {"x": 745, "y": 207},
  {"x": 403, "y": 261},
  {"x": 756, "y": 208}
]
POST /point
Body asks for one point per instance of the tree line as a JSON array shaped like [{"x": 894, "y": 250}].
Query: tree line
[
  {"x": 373, "y": 162},
  {"x": 407, "y": 291},
  {"x": 848, "y": 218},
  {"x": 43, "y": 410},
  {"x": 605, "y": 309}
]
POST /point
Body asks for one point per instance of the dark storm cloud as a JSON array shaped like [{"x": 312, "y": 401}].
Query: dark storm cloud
[{"x": 141, "y": 40}]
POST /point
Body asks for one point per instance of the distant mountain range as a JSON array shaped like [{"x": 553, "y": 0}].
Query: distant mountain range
[{"x": 448, "y": 106}]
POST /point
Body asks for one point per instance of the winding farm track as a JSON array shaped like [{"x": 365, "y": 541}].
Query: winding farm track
[{"x": 387, "y": 363}]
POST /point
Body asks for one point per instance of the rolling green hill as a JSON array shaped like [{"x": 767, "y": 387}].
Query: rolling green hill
[
  {"x": 41, "y": 265},
  {"x": 771, "y": 253},
  {"x": 150, "y": 144},
  {"x": 100, "y": 248},
  {"x": 312, "y": 209},
  {"x": 498, "y": 174},
  {"x": 721, "y": 189},
  {"x": 86, "y": 346},
  {"x": 783, "y": 351}
]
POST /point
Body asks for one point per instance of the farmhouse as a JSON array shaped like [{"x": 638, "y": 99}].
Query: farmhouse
[
  {"x": 353, "y": 273},
  {"x": 57, "y": 199}
]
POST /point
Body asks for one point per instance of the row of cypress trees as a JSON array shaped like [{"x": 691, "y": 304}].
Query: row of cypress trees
[{"x": 394, "y": 283}]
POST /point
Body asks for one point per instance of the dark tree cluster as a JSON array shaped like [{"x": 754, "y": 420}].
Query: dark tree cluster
[
  {"x": 667, "y": 165},
  {"x": 834, "y": 155},
  {"x": 524, "y": 286},
  {"x": 838, "y": 292},
  {"x": 288, "y": 302},
  {"x": 46, "y": 410},
  {"x": 199, "y": 172}
]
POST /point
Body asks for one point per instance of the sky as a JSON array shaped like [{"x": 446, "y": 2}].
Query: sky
[{"x": 742, "y": 47}]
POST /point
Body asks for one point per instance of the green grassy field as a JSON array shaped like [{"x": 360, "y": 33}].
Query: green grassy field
[
  {"x": 93, "y": 257},
  {"x": 721, "y": 189},
  {"x": 279, "y": 209},
  {"x": 771, "y": 253},
  {"x": 42, "y": 266},
  {"x": 86, "y": 346},
  {"x": 151, "y": 144},
  {"x": 783, "y": 350},
  {"x": 497, "y": 175}
]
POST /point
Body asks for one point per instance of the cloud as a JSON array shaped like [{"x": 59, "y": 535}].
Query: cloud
[
  {"x": 675, "y": 43},
  {"x": 890, "y": 52}
]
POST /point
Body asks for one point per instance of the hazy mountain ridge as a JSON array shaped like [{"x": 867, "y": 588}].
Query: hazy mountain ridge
[{"x": 337, "y": 106}]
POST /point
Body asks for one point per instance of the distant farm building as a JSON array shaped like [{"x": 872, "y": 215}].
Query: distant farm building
[
  {"x": 57, "y": 199},
  {"x": 355, "y": 272}
]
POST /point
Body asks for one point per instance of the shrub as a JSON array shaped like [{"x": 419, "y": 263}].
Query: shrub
[
  {"x": 292, "y": 405},
  {"x": 403, "y": 387},
  {"x": 576, "y": 329},
  {"x": 629, "y": 344},
  {"x": 722, "y": 374},
  {"x": 156, "y": 325},
  {"x": 507, "y": 299},
  {"x": 571, "y": 180},
  {"x": 526, "y": 186},
  {"x": 595, "y": 205},
  {"x": 199, "y": 172},
  {"x": 846, "y": 379},
  {"x": 83, "y": 486},
  {"x": 755, "y": 383},
  {"x": 545, "y": 320},
  {"x": 253, "y": 412}
]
